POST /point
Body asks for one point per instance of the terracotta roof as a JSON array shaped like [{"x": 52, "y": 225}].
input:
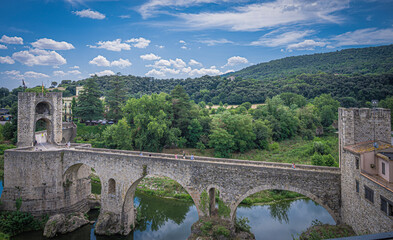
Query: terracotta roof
[{"x": 368, "y": 146}]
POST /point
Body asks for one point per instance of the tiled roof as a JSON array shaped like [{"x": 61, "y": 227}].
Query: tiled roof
[{"x": 368, "y": 146}]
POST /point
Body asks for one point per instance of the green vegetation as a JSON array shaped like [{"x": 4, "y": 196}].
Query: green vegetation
[
  {"x": 13, "y": 223},
  {"x": 320, "y": 231},
  {"x": 270, "y": 196},
  {"x": 89, "y": 105}
]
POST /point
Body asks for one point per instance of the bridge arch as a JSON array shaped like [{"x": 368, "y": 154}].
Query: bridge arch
[
  {"x": 287, "y": 188},
  {"x": 49, "y": 131},
  {"x": 43, "y": 107},
  {"x": 128, "y": 214}
]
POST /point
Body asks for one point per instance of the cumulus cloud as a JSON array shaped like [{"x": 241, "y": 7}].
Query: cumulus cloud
[
  {"x": 7, "y": 60},
  {"x": 3, "y": 46},
  {"x": 45, "y": 43},
  {"x": 103, "y": 73},
  {"x": 62, "y": 73},
  {"x": 139, "y": 42},
  {"x": 150, "y": 57},
  {"x": 39, "y": 57},
  {"x": 212, "y": 42},
  {"x": 193, "y": 62},
  {"x": 75, "y": 67},
  {"x": 235, "y": 60},
  {"x": 213, "y": 71},
  {"x": 121, "y": 63},
  {"x": 257, "y": 16},
  {"x": 155, "y": 73},
  {"x": 115, "y": 45},
  {"x": 29, "y": 74},
  {"x": 183, "y": 47},
  {"x": 11, "y": 40},
  {"x": 87, "y": 13},
  {"x": 273, "y": 40},
  {"x": 101, "y": 61},
  {"x": 367, "y": 36},
  {"x": 182, "y": 42},
  {"x": 306, "y": 45}
]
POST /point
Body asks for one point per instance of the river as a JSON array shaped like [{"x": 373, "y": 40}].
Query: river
[{"x": 168, "y": 219}]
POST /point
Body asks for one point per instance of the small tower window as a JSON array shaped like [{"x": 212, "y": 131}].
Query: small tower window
[
  {"x": 383, "y": 168},
  {"x": 357, "y": 162},
  {"x": 357, "y": 186},
  {"x": 369, "y": 194},
  {"x": 112, "y": 186}
]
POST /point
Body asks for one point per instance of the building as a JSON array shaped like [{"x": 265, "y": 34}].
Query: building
[{"x": 366, "y": 162}]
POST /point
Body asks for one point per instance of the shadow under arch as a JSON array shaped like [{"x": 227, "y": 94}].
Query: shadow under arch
[
  {"x": 287, "y": 188},
  {"x": 128, "y": 212},
  {"x": 43, "y": 107},
  {"x": 77, "y": 185}
]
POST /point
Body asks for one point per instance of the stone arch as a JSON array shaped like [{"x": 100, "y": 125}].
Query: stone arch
[
  {"x": 306, "y": 193},
  {"x": 49, "y": 129},
  {"x": 76, "y": 185},
  {"x": 112, "y": 186},
  {"x": 211, "y": 191},
  {"x": 128, "y": 214},
  {"x": 43, "y": 107}
]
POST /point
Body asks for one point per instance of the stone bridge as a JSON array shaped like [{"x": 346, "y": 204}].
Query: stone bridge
[{"x": 57, "y": 180}]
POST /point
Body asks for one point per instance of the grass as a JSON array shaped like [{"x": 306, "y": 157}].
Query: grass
[{"x": 326, "y": 231}]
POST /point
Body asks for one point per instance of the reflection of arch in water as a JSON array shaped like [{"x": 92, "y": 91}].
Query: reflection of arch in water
[
  {"x": 287, "y": 188},
  {"x": 44, "y": 136},
  {"x": 128, "y": 214},
  {"x": 77, "y": 185},
  {"x": 43, "y": 108}
]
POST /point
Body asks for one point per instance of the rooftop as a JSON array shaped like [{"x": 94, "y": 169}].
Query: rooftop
[{"x": 368, "y": 146}]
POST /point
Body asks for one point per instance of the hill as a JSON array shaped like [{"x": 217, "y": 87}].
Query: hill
[{"x": 353, "y": 76}]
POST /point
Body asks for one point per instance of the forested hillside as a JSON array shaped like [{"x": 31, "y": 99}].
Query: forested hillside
[{"x": 352, "y": 76}]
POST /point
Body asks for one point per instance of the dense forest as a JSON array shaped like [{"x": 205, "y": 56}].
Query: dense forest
[{"x": 352, "y": 76}]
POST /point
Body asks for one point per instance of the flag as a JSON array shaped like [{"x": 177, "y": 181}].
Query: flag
[{"x": 42, "y": 87}]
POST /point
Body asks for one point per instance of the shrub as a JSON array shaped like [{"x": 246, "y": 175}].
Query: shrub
[
  {"x": 221, "y": 231},
  {"x": 12, "y": 223},
  {"x": 241, "y": 224}
]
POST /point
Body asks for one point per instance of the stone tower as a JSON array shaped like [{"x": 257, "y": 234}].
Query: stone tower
[
  {"x": 33, "y": 107},
  {"x": 363, "y": 124}
]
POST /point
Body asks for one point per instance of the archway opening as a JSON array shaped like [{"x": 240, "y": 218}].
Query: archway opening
[
  {"x": 112, "y": 186},
  {"x": 43, "y": 108},
  {"x": 160, "y": 201},
  {"x": 280, "y": 214},
  {"x": 43, "y": 131},
  {"x": 214, "y": 196}
]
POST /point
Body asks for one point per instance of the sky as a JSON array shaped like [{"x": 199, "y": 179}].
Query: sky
[{"x": 53, "y": 40}]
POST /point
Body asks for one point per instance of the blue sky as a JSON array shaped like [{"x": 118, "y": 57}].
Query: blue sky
[{"x": 53, "y": 40}]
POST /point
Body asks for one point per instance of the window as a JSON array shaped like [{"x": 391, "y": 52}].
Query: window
[
  {"x": 384, "y": 205},
  {"x": 357, "y": 162},
  {"x": 383, "y": 168},
  {"x": 357, "y": 186},
  {"x": 369, "y": 194},
  {"x": 112, "y": 186}
]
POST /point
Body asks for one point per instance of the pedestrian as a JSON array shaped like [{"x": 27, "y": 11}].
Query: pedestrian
[
  {"x": 176, "y": 156},
  {"x": 184, "y": 155},
  {"x": 192, "y": 157},
  {"x": 141, "y": 154},
  {"x": 68, "y": 144},
  {"x": 293, "y": 165}
]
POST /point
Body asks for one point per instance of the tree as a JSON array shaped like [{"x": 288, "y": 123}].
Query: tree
[
  {"x": 388, "y": 103},
  {"x": 89, "y": 105},
  {"x": 222, "y": 142},
  {"x": 116, "y": 98},
  {"x": 181, "y": 109},
  {"x": 53, "y": 84},
  {"x": 73, "y": 107},
  {"x": 118, "y": 136}
]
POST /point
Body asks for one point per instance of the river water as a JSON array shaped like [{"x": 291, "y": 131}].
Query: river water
[{"x": 168, "y": 219}]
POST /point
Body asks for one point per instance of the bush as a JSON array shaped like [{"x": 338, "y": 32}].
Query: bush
[
  {"x": 241, "y": 225},
  {"x": 221, "y": 231},
  {"x": 275, "y": 146},
  {"x": 13, "y": 223}
]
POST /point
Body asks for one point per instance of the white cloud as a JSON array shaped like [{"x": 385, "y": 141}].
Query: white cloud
[
  {"x": 213, "y": 71},
  {"x": 257, "y": 16},
  {"x": 150, "y": 57},
  {"x": 100, "y": 61},
  {"x": 367, "y": 36},
  {"x": 87, "y": 13},
  {"x": 139, "y": 42},
  {"x": 155, "y": 73},
  {"x": 212, "y": 42},
  {"x": 39, "y": 57},
  {"x": 3, "y": 46},
  {"x": 193, "y": 62},
  {"x": 183, "y": 47},
  {"x": 7, "y": 60},
  {"x": 11, "y": 40},
  {"x": 151, "y": 7},
  {"x": 62, "y": 73},
  {"x": 75, "y": 67},
  {"x": 124, "y": 16},
  {"x": 160, "y": 46},
  {"x": 45, "y": 43},
  {"x": 182, "y": 42},
  {"x": 121, "y": 63},
  {"x": 103, "y": 73},
  {"x": 273, "y": 40},
  {"x": 306, "y": 45},
  {"x": 115, "y": 45},
  {"x": 29, "y": 74},
  {"x": 177, "y": 63},
  {"x": 235, "y": 60}
]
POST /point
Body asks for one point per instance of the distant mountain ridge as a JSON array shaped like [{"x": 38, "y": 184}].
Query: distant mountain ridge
[{"x": 351, "y": 75}]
